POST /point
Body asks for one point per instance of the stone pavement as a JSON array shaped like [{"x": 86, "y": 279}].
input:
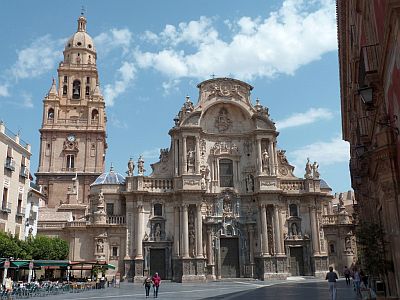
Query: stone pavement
[{"x": 309, "y": 289}]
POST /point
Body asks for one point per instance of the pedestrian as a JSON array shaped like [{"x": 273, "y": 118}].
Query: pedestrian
[
  {"x": 331, "y": 277},
  {"x": 363, "y": 279},
  {"x": 9, "y": 287},
  {"x": 357, "y": 279},
  {"x": 156, "y": 284},
  {"x": 346, "y": 273},
  {"x": 147, "y": 285}
]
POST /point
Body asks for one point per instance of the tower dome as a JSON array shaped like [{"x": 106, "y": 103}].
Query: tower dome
[{"x": 80, "y": 48}]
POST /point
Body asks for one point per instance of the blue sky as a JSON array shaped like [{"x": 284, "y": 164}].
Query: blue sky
[{"x": 151, "y": 54}]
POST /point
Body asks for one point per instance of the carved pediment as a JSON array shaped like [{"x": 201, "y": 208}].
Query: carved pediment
[
  {"x": 220, "y": 148},
  {"x": 284, "y": 168},
  {"x": 70, "y": 146}
]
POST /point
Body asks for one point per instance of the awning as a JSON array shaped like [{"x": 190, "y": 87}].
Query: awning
[
  {"x": 51, "y": 263},
  {"x": 19, "y": 263}
]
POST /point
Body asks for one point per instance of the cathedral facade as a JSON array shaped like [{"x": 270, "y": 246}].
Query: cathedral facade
[{"x": 221, "y": 202}]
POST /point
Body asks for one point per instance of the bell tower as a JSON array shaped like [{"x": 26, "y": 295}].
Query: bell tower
[{"x": 73, "y": 133}]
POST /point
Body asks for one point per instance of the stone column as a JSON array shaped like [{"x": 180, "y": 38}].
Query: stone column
[
  {"x": 271, "y": 158},
  {"x": 199, "y": 232},
  {"x": 176, "y": 231},
  {"x": 197, "y": 165},
  {"x": 259, "y": 159},
  {"x": 264, "y": 237},
  {"x": 281, "y": 222},
  {"x": 128, "y": 248},
  {"x": 275, "y": 156},
  {"x": 185, "y": 231},
  {"x": 184, "y": 156},
  {"x": 278, "y": 235},
  {"x": 176, "y": 157},
  {"x": 210, "y": 254},
  {"x": 251, "y": 249},
  {"x": 139, "y": 234},
  {"x": 314, "y": 231}
]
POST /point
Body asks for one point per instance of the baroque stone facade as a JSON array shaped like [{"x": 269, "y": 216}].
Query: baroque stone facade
[{"x": 222, "y": 201}]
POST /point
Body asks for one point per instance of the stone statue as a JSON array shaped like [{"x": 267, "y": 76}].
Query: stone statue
[
  {"x": 140, "y": 165},
  {"x": 101, "y": 199},
  {"x": 294, "y": 229},
  {"x": 341, "y": 202},
  {"x": 249, "y": 183},
  {"x": 315, "y": 170},
  {"x": 203, "y": 183},
  {"x": 100, "y": 246},
  {"x": 158, "y": 232},
  {"x": 131, "y": 167},
  {"x": 190, "y": 160},
  {"x": 308, "y": 169},
  {"x": 265, "y": 160}
]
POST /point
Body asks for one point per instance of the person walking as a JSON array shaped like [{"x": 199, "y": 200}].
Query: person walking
[
  {"x": 156, "y": 284},
  {"x": 147, "y": 285},
  {"x": 346, "y": 273},
  {"x": 357, "y": 280},
  {"x": 331, "y": 277}
]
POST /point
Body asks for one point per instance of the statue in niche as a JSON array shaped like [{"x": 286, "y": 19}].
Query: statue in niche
[
  {"x": 308, "y": 169},
  {"x": 100, "y": 246},
  {"x": 190, "y": 160},
  {"x": 265, "y": 160},
  {"x": 315, "y": 170},
  {"x": 347, "y": 244},
  {"x": 192, "y": 240},
  {"x": 295, "y": 230},
  {"x": 227, "y": 204},
  {"x": 131, "y": 167},
  {"x": 250, "y": 183},
  {"x": 158, "y": 232},
  {"x": 223, "y": 122},
  {"x": 140, "y": 165}
]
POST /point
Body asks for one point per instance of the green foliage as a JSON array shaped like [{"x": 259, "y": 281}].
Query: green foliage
[
  {"x": 370, "y": 238},
  {"x": 41, "y": 247}
]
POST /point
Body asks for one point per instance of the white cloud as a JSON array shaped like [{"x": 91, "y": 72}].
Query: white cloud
[
  {"x": 26, "y": 100},
  {"x": 325, "y": 153},
  {"x": 117, "y": 122},
  {"x": 112, "y": 39},
  {"x": 4, "y": 90},
  {"x": 298, "y": 33},
  {"x": 308, "y": 117},
  {"x": 126, "y": 74},
  {"x": 171, "y": 85},
  {"x": 38, "y": 58}
]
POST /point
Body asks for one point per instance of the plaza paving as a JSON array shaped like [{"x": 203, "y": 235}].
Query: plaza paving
[{"x": 309, "y": 289}]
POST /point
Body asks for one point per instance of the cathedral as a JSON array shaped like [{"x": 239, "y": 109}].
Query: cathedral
[{"x": 221, "y": 202}]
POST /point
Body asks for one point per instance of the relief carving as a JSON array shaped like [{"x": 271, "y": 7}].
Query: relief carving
[{"x": 223, "y": 122}]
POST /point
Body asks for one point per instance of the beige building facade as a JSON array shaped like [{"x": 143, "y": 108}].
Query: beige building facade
[
  {"x": 221, "y": 202},
  {"x": 14, "y": 181}
]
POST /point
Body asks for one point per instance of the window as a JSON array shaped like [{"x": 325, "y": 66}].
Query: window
[
  {"x": 5, "y": 197},
  {"x": 293, "y": 210},
  {"x": 70, "y": 161},
  {"x": 50, "y": 113},
  {"x": 331, "y": 248},
  {"x": 95, "y": 114},
  {"x": 226, "y": 173},
  {"x": 157, "y": 209},
  {"x": 110, "y": 209},
  {"x": 76, "y": 88},
  {"x": 87, "y": 91},
  {"x": 87, "y": 80},
  {"x": 65, "y": 90},
  {"x": 65, "y": 79},
  {"x": 114, "y": 251}
]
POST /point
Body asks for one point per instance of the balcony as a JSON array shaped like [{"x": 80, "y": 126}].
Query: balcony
[
  {"x": 116, "y": 220},
  {"x": 24, "y": 172},
  {"x": 6, "y": 207},
  {"x": 9, "y": 164},
  {"x": 20, "y": 212}
]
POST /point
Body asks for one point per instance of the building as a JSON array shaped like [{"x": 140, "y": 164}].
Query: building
[
  {"x": 73, "y": 132},
  {"x": 221, "y": 202},
  {"x": 14, "y": 181},
  {"x": 339, "y": 228},
  {"x": 36, "y": 200},
  {"x": 369, "y": 52}
]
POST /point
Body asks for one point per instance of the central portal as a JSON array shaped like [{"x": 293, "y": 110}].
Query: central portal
[
  {"x": 296, "y": 261},
  {"x": 157, "y": 262},
  {"x": 229, "y": 257}
]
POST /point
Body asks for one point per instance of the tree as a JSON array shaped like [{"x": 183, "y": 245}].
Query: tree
[
  {"x": 44, "y": 247},
  {"x": 9, "y": 247}
]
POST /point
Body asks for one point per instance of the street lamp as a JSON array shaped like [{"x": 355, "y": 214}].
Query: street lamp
[{"x": 366, "y": 95}]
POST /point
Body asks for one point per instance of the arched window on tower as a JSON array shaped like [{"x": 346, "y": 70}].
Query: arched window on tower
[
  {"x": 95, "y": 114},
  {"x": 76, "y": 88},
  {"x": 50, "y": 114},
  {"x": 226, "y": 173},
  {"x": 87, "y": 91},
  {"x": 293, "y": 210},
  {"x": 65, "y": 89}
]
